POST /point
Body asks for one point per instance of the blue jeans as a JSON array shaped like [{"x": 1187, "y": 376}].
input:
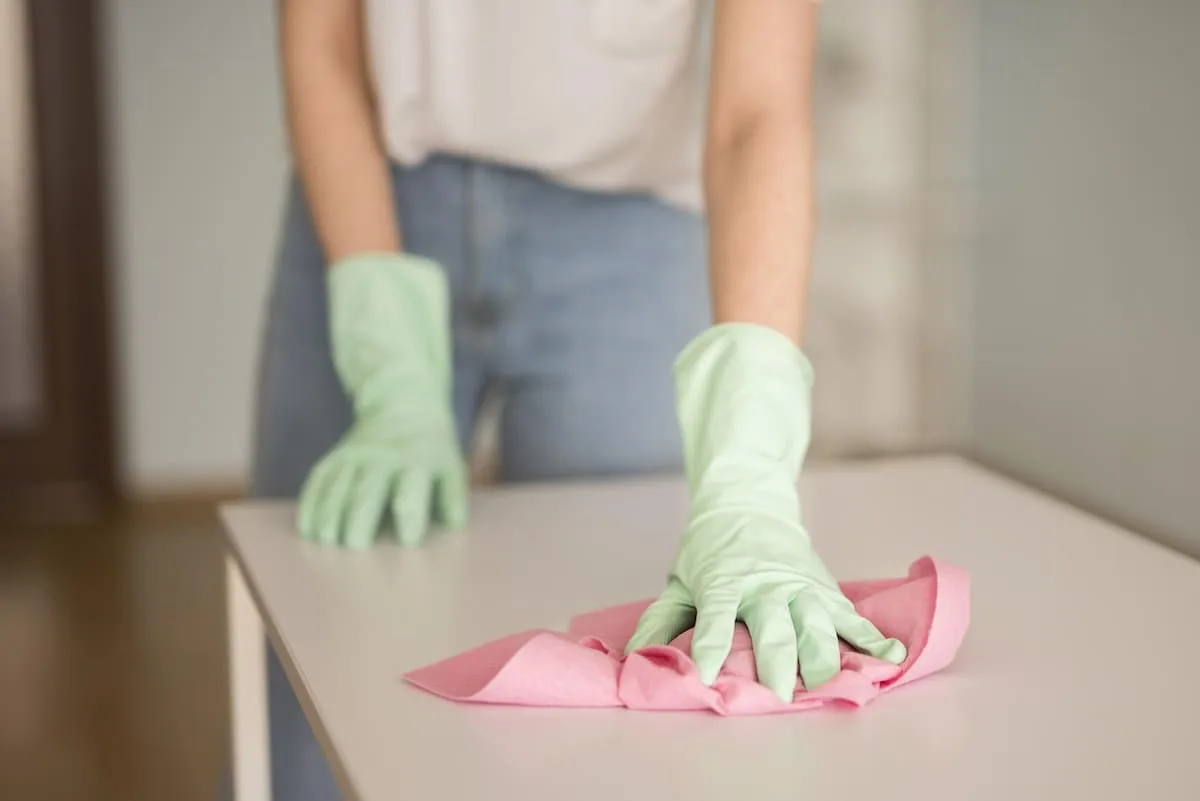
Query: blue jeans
[{"x": 575, "y": 302}]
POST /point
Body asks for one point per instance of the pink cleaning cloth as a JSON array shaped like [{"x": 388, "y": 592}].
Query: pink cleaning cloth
[{"x": 928, "y": 611}]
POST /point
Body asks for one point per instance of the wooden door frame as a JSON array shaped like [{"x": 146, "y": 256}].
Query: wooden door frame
[{"x": 73, "y": 446}]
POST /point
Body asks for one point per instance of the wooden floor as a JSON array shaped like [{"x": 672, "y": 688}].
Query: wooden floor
[{"x": 112, "y": 660}]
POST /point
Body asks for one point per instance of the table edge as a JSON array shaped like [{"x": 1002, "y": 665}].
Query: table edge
[{"x": 341, "y": 776}]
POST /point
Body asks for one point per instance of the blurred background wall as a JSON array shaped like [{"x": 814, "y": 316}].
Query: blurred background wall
[
  {"x": 866, "y": 284},
  {"x": 1086, "y": 300},
  {"x": 199, "y": 159}
]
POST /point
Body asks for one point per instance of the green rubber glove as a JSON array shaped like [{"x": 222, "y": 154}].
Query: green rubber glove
[
  {"x": 389, "y": 322},
  {"x": 743, "y": 395}
]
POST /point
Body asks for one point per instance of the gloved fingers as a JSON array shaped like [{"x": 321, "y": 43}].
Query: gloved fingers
[
  {"x": 862, "y": 634},
  {"x": 367, "y": 503},
  {"x": 816, "y": 641},
  {"x": 314, "y": 489},
  {"x": 670, "y": 615},
  {"x": 716, "y": 616},
  {"x": 411, "y": 499},
  {"x": 331, "y": 514},
  {"x": 773, "y": 636},
  {"x": 453, "y": 497}
]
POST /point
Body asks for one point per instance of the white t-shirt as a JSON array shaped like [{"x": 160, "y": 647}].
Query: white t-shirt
[{"x": 601, "y": 94}]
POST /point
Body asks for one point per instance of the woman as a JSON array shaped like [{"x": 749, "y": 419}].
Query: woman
[{"x": 511, "y": 194}]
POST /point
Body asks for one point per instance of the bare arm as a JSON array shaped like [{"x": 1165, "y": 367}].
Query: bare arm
[
  {"x": 758, "y": 162},
  {"x": 331, "y": 124}
]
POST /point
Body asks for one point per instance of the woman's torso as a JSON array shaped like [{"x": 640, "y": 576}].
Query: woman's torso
[{"x": 601, "y": 94}]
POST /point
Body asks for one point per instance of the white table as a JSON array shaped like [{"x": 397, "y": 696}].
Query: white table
[{"x": 1079, "y": 679}]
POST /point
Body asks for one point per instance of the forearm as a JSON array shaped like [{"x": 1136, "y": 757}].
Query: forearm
[
  {"x": 332, "y": 129},
  {"x": 758, "y": 162},
  {"x": 758, "y": 188}
]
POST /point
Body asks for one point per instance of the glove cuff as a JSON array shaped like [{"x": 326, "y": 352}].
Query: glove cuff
[
  {"x": 744, "y": 396},
  {"x": 389, "y": 321}
]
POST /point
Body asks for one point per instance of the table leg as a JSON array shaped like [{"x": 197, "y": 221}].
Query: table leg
[{"x": 247, "y": 690}]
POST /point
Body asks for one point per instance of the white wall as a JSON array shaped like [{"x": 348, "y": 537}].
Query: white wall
[
  {"x": 1086, "y": 305},
  {"x": 200, "y": 159},
  {"x": 886, "y": 331},
  {"x": 863, "y": 334}
]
